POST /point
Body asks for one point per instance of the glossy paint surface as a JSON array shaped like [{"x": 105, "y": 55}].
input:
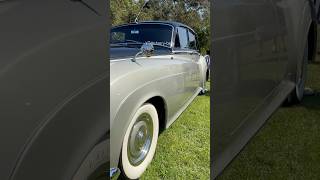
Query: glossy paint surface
[
  {"x": 258, "y": 45},
  {"x": 177, "y": 81},
  {"x": 52, "y": 83}
]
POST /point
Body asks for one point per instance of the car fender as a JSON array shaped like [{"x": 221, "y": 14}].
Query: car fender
[
  {"x": 203, "y": 71},
  {"x": 302, "y": 34},
  {"x": 72, "y": 130},
  {"x": 130, "y": 105}
]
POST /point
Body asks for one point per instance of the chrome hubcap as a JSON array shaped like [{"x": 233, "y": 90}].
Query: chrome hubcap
[{"x": 140, "y": 139}]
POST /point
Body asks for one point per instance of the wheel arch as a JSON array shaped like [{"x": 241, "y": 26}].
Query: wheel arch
[
  {"x": 161, "y": 107},
  {"x": 303, "y": 34},
  {"x": 130, "y": 105},
  {"x": 67, "y": 136}
]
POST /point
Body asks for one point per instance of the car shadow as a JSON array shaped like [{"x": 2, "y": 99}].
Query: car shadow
[
  {"x": 315, "y": 62},
  {"x": 207, "y": 93},
  {"x": 312, "y": 101}
]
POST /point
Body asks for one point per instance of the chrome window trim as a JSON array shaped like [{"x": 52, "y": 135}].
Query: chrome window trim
[
  {"x": 187, "y": 51},
  {"x": 188, "y": 30}
]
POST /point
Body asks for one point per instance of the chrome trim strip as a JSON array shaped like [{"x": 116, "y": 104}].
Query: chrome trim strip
[{"x": 185, "y": 51}]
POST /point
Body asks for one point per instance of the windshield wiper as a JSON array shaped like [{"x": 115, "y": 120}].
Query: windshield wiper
[
  {"x": 127, "y": 42},
  {"x": 161, "y": 45},
  {"x": 133, "y": 41}
]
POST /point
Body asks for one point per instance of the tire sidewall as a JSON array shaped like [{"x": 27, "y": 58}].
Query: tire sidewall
[
  {"x": 300, "y": 83},
  {"x": 134, "y": 172}
]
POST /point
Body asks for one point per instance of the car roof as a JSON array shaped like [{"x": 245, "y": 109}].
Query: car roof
[{"x": 172, "y": 23}]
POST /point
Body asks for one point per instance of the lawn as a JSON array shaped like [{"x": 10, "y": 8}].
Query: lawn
[
  {"x": 183, "y": 150},
  {"x": 288, "y": 145}
]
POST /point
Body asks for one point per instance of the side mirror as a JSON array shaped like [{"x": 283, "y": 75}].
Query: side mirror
[{"x": 146, "y": 50}]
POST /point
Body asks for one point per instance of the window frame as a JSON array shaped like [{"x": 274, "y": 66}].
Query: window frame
[
  {"x": 189, "y": 30},
  {"x": 178, "y": 34},
  {"x": 195, "y": 39}
]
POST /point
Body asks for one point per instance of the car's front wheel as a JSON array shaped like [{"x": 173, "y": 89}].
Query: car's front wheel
[{"x": 140, "y": 141}]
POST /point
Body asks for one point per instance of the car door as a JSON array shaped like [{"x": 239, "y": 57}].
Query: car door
[
  {"x": 198, "y": 76},
  {"x": 187, "y": 58},
  {"x": 245, "y": 68},
  {"x": 289, "y": 18}
]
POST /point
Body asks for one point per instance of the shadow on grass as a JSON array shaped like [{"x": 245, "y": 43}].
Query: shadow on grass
[
  {"x": 207, "y": 93},
  {"x": 315, "y": 62},
  {"x": 312, "y": 102}
]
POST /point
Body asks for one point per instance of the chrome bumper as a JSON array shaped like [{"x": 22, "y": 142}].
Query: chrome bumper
[{"x": 114, "y": 173}]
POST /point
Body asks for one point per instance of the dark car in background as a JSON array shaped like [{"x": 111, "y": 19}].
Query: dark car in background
[
  {"x": 261, "y": 51},
  {"x": 53, "y": 88}
]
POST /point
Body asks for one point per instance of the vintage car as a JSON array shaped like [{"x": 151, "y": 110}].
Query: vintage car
[
  {"x": 53, "y": 84},
  {"x": 261, "y": 51},
  {"x": 155, "y": 73}
]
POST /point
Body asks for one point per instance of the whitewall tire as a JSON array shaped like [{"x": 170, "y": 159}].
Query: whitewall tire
[{"x": 140, "y": 141}]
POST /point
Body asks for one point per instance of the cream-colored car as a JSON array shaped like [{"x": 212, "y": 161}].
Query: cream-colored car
[{"x": 155, "y": 73}]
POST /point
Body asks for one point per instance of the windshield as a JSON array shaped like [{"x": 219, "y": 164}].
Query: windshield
[{"x": 140, "y": 33}]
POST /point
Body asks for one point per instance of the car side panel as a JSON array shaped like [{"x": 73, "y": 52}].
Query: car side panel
[
  {"x": 287, "y": 34},
  {"x": 59, "y": 148},
  {"x": 49, "y": 51},
  {"x": 193, "y": 74},
  {"x": 244, "y": 45},
  {"x": 294, "y": 20}
]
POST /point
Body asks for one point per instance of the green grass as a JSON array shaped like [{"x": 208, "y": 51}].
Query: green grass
[
  {"x": 183, "y": 150},
  {"x": 288, "y": 146}
]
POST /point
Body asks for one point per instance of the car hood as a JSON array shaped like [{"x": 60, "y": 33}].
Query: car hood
[
  {"x": 123, "y": 52},
  {"x": 121, "y": 68},
  {"x": 126, "y": 75},
  {"x": 121, "y": 63}
]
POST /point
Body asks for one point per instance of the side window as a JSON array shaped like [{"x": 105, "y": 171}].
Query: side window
[
  {"x": 192, "y": 40},
  {"x": 183, "y": 37}
]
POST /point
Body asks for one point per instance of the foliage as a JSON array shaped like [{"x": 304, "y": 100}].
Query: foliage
[{"x": 194, "y": 13}]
